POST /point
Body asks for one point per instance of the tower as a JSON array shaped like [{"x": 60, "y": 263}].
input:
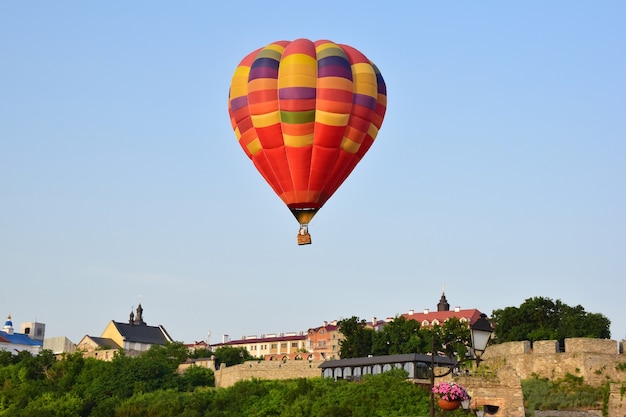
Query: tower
[
  {"x": 443, "y": 303},
  {"x": 34, "y": 330}
]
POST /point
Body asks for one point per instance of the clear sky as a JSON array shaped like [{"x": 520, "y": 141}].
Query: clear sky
[{"x": 499, "y": 170}]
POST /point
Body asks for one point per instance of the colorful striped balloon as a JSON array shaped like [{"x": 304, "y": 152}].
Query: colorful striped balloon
[{"x": 305, "y": 113}]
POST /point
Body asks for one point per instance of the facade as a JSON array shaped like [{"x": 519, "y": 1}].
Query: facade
[
  {"x": 324, "y": 340},
  {"x": 134, "y": 337},
  {"x": 270, "y": 345},
  {"x": 16, "y": 342}
]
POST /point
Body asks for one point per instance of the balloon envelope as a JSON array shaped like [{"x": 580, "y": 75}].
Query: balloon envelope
[{"x": 305, "y": 112}]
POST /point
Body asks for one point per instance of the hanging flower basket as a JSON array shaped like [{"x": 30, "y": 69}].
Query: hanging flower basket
[
  {"x": 450, "y": 395},
  {"x": 448, "y": 405}
]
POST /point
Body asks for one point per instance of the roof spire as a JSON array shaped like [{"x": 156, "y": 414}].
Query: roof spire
[
  {"x": 139, "y": 318},
  {"x": 443, "y": 303}
]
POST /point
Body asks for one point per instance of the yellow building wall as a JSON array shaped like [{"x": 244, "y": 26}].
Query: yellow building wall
[{"x": 112, "y": 333}]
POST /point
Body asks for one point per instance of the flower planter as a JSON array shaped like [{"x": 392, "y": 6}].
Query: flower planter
[{"x": 448, "y": 405}]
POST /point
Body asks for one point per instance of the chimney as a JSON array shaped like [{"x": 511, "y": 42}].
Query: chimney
[
  {"x": 457, "y": 309},
  {"x": 325, "y": 323},
  {"x": 411, "y": 312},
  {"x": 425, "y": 311},
  {"x": 374, "y": 321},
  {"x": 225, "y": 338}
]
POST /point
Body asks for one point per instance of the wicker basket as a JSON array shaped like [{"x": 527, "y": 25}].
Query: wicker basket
[{"x": 304, "y": 239}]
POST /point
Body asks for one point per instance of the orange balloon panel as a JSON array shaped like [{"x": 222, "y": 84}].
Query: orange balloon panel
[{"x": 305, "y": 113}]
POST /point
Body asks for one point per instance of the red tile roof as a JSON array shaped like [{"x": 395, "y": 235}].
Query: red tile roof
[
  {"x": 249, "y": 340},
  {"x": 470, "y": 314}
]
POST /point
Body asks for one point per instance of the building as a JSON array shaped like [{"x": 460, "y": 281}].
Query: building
[
  {"x": 324, "y": 340},
  {"x": 133, "y": 337},
  {"x": 416, "y": 365},
  {"x": 268, "y": 346},
  {"x": 16, "y": 342},
  {"x": 34, "y": 330},
  {"x": 429, "y": 318},
  {"x": 59, "y": 345}
]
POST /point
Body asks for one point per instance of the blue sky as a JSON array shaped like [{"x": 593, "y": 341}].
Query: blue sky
[{"x": 498, "y": 172}]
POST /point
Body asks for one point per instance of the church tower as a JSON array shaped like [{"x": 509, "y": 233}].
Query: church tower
[{"x": 443, "y": 303}]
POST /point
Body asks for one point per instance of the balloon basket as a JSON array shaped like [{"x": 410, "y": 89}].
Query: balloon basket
[{"x": 304, "y": 239}]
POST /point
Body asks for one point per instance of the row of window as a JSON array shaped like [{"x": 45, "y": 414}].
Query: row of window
[{"x": 273, "y": 346}]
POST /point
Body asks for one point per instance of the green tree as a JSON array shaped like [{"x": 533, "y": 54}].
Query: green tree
[
  {"x": 541, "y": 318},
  {"x": 196, "y": 376},
  {"x": 230, "y": 355},
  {"x": 399, "y": 336},
  {"x": 358, "y": 338}
]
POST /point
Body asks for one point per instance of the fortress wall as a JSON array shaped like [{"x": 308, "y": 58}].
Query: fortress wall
[{"x": 227, "y": 376}]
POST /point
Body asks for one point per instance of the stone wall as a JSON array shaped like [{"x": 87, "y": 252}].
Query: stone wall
[
  {"x": 595, "y": 360},
  {"x": 227, "y": 376}
]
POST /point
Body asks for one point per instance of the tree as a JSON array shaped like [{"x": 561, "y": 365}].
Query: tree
[
  {"x": 402, "y": 335},
  {"x": 399, "y": 336},
  {"x": 230, "y": 355},
  {"x": 541, "y": 318},
  {"x": 358, "y": 338},
  {"x": 196, "y": 376}
]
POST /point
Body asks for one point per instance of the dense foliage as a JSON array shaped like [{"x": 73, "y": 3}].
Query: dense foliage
[
  {"x": 75, "y": 386},
  {"x": 541, "y": 318},
  {"x": 568, "y": 393},
  {"x": 403, "y": 336},
  {"x": 230, "y": 355},
  {"x": 148, "y": 385}
]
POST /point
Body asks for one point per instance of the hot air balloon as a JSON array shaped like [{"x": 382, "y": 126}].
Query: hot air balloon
[{"x": 305, "y": 112}]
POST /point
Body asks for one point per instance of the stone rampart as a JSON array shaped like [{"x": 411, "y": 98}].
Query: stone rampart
[
  {"x": 227, "y": 376},
  {"x": 596, "y": 360}
]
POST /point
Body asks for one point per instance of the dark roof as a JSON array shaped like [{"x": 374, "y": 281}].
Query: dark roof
[
  {"x": 105, "y": 342},
  {"x": 385, "y": 359},
  {"x": 141, "y": 333}
]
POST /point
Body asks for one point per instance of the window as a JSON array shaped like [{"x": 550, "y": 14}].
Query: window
[
  {"x": 294, "y": 344},
  {"x": 283, "y": 345},
  {"x": 273, "y": 346}
]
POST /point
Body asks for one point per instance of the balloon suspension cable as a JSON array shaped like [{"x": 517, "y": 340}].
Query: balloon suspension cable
[{"x": 304, "y": 238}]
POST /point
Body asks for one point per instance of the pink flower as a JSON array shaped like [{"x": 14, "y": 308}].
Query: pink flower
[{"x": 451, "y": 391}]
